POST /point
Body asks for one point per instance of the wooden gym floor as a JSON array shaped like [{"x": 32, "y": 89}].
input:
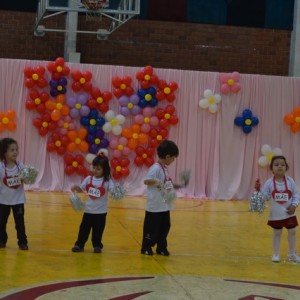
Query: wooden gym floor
[{"x": 219, "y": 250}]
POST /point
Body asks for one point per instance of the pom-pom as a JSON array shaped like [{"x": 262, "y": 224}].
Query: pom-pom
[
  {"x": 29, "y": 174},
  {"x": 257, "y": 201},
  {"x": 76, "y": 202},
  {"x": 184, "y": 177},
  {"x": 118, "y": 192},
  {"x": 168, "y": 195}
]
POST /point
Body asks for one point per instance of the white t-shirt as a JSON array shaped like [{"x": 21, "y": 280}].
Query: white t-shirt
[
  {"x": 96, "y": 205},
  {"x": 155, "y": 201},
  {"x": 9, "y": 195},
  {"x": 278, "y": 209}
]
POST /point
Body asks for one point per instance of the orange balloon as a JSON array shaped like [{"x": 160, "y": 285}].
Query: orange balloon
[
  {"x": 126, "y": 132},
  {"x": 50, "y": 105},
  {"x": 143, "y": 138},
  {"x": 55, "y": 115},
  {"x": 83, "y": 146},
  {"x": 132, "y": 144},
  {"x": 82, "y": 133},
  {"x": 1, "y": 127},
  {"x": 295, "y": 127},
  {"x": 71, "y": 147},
  {"x": 11, "y": 126},
  {"x": 289, "y": 119},
  {"x": 296, "y": 111},
  {"x": 136, "y": 128},
  {"x": 72, "y": 135},
  {"x": 65, "y": 110},
  {"x": 60, "y": 98},
  {"x": 11, "y": 114}
]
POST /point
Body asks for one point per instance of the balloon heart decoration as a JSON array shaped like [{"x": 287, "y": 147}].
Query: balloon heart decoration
[{"x": 77, "y": 119}]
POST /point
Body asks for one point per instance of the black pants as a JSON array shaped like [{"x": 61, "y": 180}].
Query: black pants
[
  {"x": 18, "y": 213},
  {"x": 156, "y": 228},
  {"x": 96, "y": 222}
]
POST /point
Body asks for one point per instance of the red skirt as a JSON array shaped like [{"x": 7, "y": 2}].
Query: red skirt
[{"x": 287, "y": 223}]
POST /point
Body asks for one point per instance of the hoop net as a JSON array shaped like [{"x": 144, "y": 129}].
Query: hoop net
[{"x": 93, "y": 9}]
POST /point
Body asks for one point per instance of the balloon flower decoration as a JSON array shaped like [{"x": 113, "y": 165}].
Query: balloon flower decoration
[
  {"x": 7, "y": 120},
  {"x": 293, "y": 120},
  {"x": 268, "y": 153},
  {"x": 210, "y": 101},
  {"x": 230, "y": 82},
  {"x": 246, "y": 121},
  {"x": 77, "y": 119}
]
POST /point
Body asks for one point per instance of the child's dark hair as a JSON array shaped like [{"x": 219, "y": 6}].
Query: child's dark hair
[
  {"x": 102, "y": 161},
  {"x": 278, "y": 157},
  {"x": 167, "y": 147},
  {"x": 4, "y": 144}
]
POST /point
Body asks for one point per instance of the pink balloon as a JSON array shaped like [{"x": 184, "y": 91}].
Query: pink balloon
[
  {"x": 224, "y": 77},
  {"x": 113, "y": 144},
  {"x": 123, "y": 141},
  {"x": 154, "y": 121},
  {"x": 225, "y": 88},
  {"x": 147, "y": 111},
  {"x": 117, "y": 153},
  {"x": 126, "y": 151},
  {"x": 236, "y": 87},
  {"x": 235, "y": 76},
  {"x": 145, "y": 128},
  {"x": 139, "y": 119}
]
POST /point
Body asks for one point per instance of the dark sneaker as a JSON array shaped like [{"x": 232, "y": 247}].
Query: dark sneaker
[
  {"x": 97, "y": 250},
  {"x": 2, "y": 245},
  {"x": 77, "y": 249},
  {"x": 23, "y": 247},
  {"x": 147, "y": 251},
  {"x": 164, "y": 252}
]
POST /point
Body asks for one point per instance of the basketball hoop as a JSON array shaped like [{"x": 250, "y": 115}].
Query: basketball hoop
[{"x": 93, "y": 9}]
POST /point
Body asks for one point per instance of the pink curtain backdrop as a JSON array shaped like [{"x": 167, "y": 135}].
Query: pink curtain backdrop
[{"x": 222, "y": 158}]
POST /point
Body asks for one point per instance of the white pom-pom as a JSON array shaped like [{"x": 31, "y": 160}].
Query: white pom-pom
[
  {"x": 76, "y": 202},
  {"x": 29, "y": 174},
  {"x": 118, "y": 192}
]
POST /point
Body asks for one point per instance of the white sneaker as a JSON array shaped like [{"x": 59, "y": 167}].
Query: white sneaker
[
  {"x": 275, "y": 258},
  {"x": 294, "y": 258}
]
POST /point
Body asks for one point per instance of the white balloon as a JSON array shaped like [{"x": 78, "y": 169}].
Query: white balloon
[
  {"x": 217, "y": 98},
  {"x": 208, "y": 93},
  {"x": 104, "y": 151},
  {"x": 89, "y": 157},
  {"x": 107, "y": 127},
  {"x": 213, "y": 108},
  {"x": 277, "y": 151},
  {"x": 120, "y": 119},
  {"x": 116, "y": 130},
  {"x": 266, "y": 149},
  {"x": 110, "y": 115},
  {"x": 203, "y": 103},
  {"x": 263, "y": 161}
]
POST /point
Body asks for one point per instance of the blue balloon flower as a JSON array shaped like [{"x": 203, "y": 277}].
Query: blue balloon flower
[{"x": 246, "y": 121}]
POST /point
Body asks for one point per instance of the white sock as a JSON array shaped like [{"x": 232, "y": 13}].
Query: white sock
[
  {"x": 292, "y": 240},
  {"x": 276, "y": 240}
]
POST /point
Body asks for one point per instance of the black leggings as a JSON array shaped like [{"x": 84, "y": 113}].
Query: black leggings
[{"x": 18, "y": 213}]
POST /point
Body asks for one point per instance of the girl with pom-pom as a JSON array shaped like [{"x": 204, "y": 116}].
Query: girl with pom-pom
[
  {"x": 94, "y": 218},
  {"x": 284, "y": 199},
  {"x": 12, "y": 195}
]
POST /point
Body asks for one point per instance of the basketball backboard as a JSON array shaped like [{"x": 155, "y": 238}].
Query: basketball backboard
[{"x": 118, "y": 11}]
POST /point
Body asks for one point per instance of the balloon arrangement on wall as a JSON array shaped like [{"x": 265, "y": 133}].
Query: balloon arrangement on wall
[
  {"x": 268, "y": 153},
  {"x": 246, "y": 121},
  {"x": 78, "y": 121},
  {"x": 293, "y": 120},
  {"x": 7, "y": 120}
]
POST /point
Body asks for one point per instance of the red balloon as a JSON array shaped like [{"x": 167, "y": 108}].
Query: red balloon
[
  {"x": 163, "y": 123},
  {"x": 68, "y": 158},
  {"x": 61, "y": 150},
  {"x": 139, "y": 75},
  {"x": 28, "y": 71},
  {"x": 41, "y": 108},
  {"x": 173, "y": 86},
  {"x": 79, "y": 158},
  {"x": 60, "y": 61},
  {"x": 51, "y": 147},
  {"x": 173, "y": 120},
  {"x": 160, "y": 112},
  {"x": 92, "y": 103},
  {"x": 118, "y": 92},
  {"x": 116, "y": 175},
  {"x": 80, "y": 170},
  {"x": 76, "y": 75},
  {"x": 125, "y": 171},
  {"x": 139, "y": 150},
  {"x": 76, "y": 86},
  {"x": 150, "y": 151},
  {"x": 124, "y": 162},
  {"x": 43, "y": 131},
  {"x": 29, "y": 104},
  {"x": 149, "y": 161},
  {"x": 139, "y": 161},
  {"x": 87, "y": 86},
  {"x": 40, "y": 70},
  {"x": 116, "y": 81},
  {"x": 170, "y": 97},
  {"x": 170, "y": 109},
  {"x": 69, "y": 170},
  {"x": 114, "y": 162},
  {"x": 145, "y": 84},
  {"x": 148, "y": 70},
  {"x": 162, "y": 84},
  {"x": 160, "y": 95},
  {"x": 37, "y": 122}
]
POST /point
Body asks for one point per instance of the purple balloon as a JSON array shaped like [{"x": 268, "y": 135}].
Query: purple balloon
[
  {"x": 74, "y": 113},
  {"x": 135, "y": 110},
  {"x": 123, "y": 100},
  {"x": 84, "y": 110},
  {"x": 134, "y": 99},
  {"x": 82, "y": 98},
  {"x": 71, "y": 101},
  {"x": 124, "y": 111}
]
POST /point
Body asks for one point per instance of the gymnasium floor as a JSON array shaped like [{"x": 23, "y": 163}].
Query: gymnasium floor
[{"x": 219, "y": 250}]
